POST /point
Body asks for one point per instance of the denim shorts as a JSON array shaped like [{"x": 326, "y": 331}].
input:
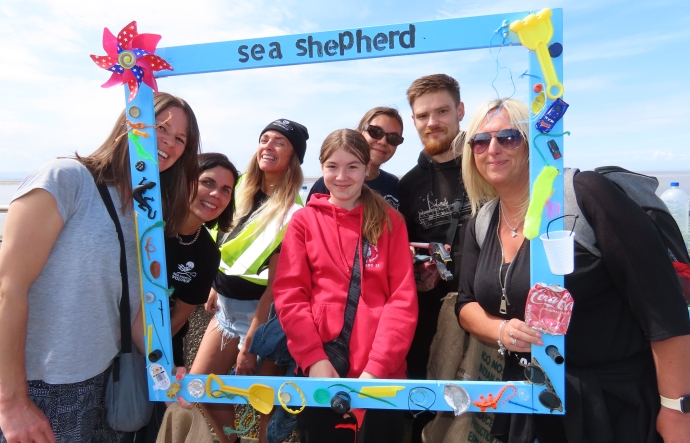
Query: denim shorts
[{"x": 234, "y": 318}]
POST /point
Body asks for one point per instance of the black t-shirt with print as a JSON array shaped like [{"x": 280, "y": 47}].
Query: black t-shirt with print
[
  {"x": 386, "y": 185},
  {"x": 427, "y": 195},
  {"x": 191, "y": 271}
]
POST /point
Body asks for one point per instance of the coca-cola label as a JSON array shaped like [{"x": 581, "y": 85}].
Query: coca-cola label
[{"x": 549, "y": 308}]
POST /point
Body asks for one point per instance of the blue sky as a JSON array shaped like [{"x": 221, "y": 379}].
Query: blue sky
[{"x": 625, "y": 74}]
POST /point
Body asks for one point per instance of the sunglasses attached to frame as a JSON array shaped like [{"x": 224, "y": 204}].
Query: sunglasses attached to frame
[
  {"x": 507, "y": 139},
  {"x": 377, "y": 132},
  {"x": 536, "y": 375}
]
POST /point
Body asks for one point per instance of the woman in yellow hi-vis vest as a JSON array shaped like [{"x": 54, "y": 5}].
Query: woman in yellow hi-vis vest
[{"x": 266, "y": 196}]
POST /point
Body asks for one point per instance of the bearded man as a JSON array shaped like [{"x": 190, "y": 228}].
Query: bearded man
[{"x": 431, "y": 197}]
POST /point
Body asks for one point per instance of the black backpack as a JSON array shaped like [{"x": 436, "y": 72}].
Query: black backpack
[{"x": 641, "y": 189}]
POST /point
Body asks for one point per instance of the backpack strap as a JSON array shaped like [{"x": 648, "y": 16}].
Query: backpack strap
[
  {"x": 125, "y": 316},
  {"x": 456, "y": 214},
  {"x": 483, "y": 219},
  {"x": 639, "y": 187},
  {"x": 459, "y": 202},
  {"x": 584, "y": 234}
]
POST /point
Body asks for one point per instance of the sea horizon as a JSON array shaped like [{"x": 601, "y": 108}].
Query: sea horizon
[{"x": 9, "y": 186}]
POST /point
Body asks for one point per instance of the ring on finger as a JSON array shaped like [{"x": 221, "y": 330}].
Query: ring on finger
[
  {"x": 511, "y": 332},
  {"x": 515, "y": 342}
]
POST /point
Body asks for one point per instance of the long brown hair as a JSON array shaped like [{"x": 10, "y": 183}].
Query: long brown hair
[
  {"x": 110, "y": 164},
  {"x": 375, "y": 206}
]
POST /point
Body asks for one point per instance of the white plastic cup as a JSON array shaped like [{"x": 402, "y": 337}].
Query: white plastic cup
[{"x": 560, "y": 251}]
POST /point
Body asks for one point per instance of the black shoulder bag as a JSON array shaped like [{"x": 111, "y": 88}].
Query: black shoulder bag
[
  {"x": 455, "y": 225},
  {"x": 458, "y": 204},
  {"x": 338, "y": 350},
  {"x": 126, "y": 394}
]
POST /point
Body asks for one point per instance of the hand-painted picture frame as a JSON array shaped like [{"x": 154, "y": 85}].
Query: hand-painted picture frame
[{"x": 535, "y": 31}]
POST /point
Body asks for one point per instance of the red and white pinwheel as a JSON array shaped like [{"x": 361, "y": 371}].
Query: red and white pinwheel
[{"x": 131, "y": 58}]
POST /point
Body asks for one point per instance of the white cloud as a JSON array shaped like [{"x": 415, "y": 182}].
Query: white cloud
[{"x": 52, "y": 102}]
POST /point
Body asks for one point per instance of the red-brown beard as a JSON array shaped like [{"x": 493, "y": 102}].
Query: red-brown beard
[{"x": 436, "y": 146}]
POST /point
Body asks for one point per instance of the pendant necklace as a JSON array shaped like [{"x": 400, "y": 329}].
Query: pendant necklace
[
  {"x": 179, "y": 239},
  {"x": 503, "y": 281},
  {"x": 513, "y": 230}
]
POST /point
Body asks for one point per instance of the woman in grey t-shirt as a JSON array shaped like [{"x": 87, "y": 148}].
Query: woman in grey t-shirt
[{"x": 60, "y": 283}]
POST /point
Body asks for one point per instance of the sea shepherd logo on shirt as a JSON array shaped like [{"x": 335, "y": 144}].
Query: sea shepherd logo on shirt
[
  {"x": 185, "y": 273},
  {"x": 371, "y": 255}
]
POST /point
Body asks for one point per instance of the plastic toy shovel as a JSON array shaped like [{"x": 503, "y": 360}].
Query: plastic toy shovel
[
  {"x": 535, "y": 33},
  {"x": 259, "y": 396}
]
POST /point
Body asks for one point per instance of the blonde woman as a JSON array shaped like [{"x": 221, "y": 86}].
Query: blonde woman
[
  {"x": 629, "y": 336},
  {"x": 265, "y": 198}
]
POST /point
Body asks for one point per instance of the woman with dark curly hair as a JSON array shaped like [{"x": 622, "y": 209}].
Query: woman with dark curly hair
[{"x": 192, "y": 258}]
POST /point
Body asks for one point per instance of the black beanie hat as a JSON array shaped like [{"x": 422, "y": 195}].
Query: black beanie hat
[{"x": 293, "y": 131}]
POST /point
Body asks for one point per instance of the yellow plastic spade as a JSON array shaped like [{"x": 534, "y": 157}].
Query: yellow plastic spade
[
  {"x": 380, "y": 391},
  {"x": 259, "y": 396},
  {"x": 535, "y": 33}
]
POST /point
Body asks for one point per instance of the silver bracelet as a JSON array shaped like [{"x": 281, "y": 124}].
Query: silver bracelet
[{"x": 501, "y": 348}]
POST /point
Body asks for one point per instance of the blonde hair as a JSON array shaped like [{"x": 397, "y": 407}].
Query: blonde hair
[
  {"x": 110, "y": 164},
  {"x": 375, "y": 206},
  {"x": 478, "y": 189},
  {"x": 277, "y": 204}
]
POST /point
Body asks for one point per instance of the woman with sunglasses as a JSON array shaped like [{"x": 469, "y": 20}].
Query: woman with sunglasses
[
  {"x": 382, "y": 128},
  {"x": 629, "y": 313},
  {"x": 60, "y": 283}
]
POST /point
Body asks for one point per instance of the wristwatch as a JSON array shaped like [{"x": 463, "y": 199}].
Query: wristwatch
[{"x": 679, "y": 404}]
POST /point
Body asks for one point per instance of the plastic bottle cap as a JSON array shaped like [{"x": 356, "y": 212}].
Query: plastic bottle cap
[
  {"x": 322, "y": 396},
  {"x": 155, "y": 355},
  {"x": 675, "y": 184},
  {"x": 555, "y": 49}
]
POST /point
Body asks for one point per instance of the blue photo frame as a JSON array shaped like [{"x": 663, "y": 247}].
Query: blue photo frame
[{"x": 321, "y": 47}]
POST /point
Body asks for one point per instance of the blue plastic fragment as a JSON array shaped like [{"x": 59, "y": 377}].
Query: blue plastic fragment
[{"x": 555, "y": 49}]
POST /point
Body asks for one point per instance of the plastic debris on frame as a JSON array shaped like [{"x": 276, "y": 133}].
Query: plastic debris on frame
[{"x": 135, "y": 61}]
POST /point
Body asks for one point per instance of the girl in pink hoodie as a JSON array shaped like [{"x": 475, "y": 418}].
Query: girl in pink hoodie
[{"x": 312, "y": 280}]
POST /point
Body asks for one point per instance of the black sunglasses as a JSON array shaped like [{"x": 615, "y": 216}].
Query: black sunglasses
[
  {"x": 536, "y": 375},
  {"x": 507, "y": 139},
  {"x": 377, "y": 132}
]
